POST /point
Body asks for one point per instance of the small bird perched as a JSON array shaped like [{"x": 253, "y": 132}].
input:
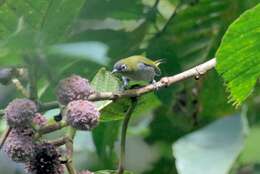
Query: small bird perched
[{"x": 137, "y": 68}]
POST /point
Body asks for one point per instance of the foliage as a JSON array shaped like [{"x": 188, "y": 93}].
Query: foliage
[
  {"x": 238, "y": 63},
  {"x": 58, "y": 38}
]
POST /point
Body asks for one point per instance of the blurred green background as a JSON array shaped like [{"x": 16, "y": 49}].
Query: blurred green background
[{"x": 189, "y": 127}]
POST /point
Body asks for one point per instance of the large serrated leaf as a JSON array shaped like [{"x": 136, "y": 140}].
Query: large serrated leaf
[{"x": 238, "y": 57}]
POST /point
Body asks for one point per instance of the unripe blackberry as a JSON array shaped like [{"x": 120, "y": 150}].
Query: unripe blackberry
[
  {"x": 20, "y": 112},
  {"x": 45, "y": 160},
  {"x": 86, "y": 172},
  {"x": 73, "y": 88},
  {"x": 82, "y": 114},
  {"x": 19, "y": 145}
]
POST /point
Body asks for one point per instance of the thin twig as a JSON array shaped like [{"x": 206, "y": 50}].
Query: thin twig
[
  {"x": 69, "y": 148},
  {"x": 4, "y": 137},
  {"x": 48, "y": 106},
  {"x": 18, "y": 85},
  {"x": 60, "y": 141},
  {"x": 174, "y": 13},
  {"x": 121, "y": 166},
  {"x": 32, "y": 75},
  {"x": 52, "y": 127},
  {"x": 196, "y": 71}
]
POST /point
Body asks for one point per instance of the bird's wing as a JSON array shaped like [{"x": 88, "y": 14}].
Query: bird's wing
[{"x": 155, "y": 67}]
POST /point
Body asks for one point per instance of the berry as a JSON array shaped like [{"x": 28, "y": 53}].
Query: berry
[
  {"x": 20, "y": 112},
  {"x": 86, "y": 172},
  {"x": 73, "y": 88},
  {"x": 82, "y": 114},
  {"x": 19, "y": 145},
  {"x": 45, "y": 160}
]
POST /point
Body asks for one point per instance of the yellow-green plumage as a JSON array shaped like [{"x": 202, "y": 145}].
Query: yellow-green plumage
[{"x": 138, "y": 68}]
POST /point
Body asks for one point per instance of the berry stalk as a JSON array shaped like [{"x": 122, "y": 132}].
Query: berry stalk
[{"x": 121, "y": 166}]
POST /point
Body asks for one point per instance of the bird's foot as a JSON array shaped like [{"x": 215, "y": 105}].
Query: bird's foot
[{"x": 154, "y": 83}]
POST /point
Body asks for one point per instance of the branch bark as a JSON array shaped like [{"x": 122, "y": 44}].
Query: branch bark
[{"x": 195, "y": 72}]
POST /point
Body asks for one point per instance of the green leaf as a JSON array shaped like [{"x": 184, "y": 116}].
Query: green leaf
[
  {"x": 111, "y": 172},
  {"x": 52, "y": 18},
  {"x": 251, "y": 151},
  {"x": 34, "y": 24},
  {"x": 117, "y": 110},
  {"x": 104, "y": 81},
  {"x": 104, "y": 137},
  {"x": 238, "y": 57},
  {"x": 216, "y": 146},
  {"x": 93, "y": 51},
  {"x": 100, "y": 9}
]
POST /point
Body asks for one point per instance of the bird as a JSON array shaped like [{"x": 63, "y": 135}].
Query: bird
[{"x": 137, "y": 68}]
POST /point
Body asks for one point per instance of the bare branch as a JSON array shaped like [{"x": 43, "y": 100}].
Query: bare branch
[
  {"x": 164, "y": 82},
  {"x": 195, "y": 72}
]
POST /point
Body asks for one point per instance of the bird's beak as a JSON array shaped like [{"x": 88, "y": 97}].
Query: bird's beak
[{"x": 114, "y": 71}]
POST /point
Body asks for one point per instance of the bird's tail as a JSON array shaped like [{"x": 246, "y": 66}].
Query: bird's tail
[{"x": 159, "y": 61}]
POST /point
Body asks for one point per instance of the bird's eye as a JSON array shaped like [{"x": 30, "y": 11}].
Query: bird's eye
[{"x": 123, "y": 67}]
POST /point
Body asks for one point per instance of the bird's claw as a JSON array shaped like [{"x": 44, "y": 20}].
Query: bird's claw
[{"x": 154, "y": 83}]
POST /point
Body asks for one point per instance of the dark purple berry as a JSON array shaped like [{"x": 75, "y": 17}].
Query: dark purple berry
[{"x": 45, "y": 160}]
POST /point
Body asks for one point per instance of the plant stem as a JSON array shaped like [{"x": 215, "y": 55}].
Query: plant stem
[
  {"x": 2, "y": 112},
  {"x": 121, "y": 166},
  {"x": 32, "y": 75},
  {"x": 4, "y": 137},
  {"x": 49, "y": 105},
  {"x": 69, "y": 147},
  {"x": 174, "y": 13},
  {"x": 51, "y": 128},
  {"x": 18, "y": 85},
  {"x": 60, "y": 141}
]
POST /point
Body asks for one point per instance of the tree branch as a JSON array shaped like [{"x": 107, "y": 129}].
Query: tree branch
[{"x": 195, "y": 72}]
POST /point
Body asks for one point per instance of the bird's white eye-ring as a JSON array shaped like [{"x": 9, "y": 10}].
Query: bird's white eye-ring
[{"x": 123, "y": 67}]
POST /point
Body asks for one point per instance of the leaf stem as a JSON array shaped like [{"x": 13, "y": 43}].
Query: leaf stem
[
  {"x": 174, "y": 13},
  {"x": 51, "y": 128},
  {"x": 121, "y": 166},
  {"x": 69, "y": 146},
  {"x": 32, "y": 76},
  {"x": 18, "y": 85},
  {"x": 49, "y": 105},
  {"x": 2, "y": 112},
  {"x": 4, "y": 137}
]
